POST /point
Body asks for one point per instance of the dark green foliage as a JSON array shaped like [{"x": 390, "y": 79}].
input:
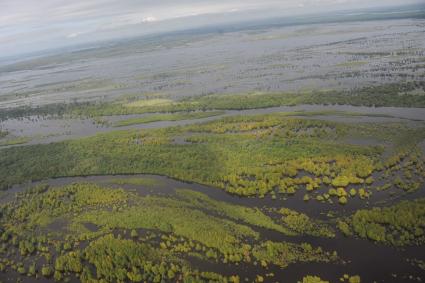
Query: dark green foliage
[{"x": 236, "y": 152}]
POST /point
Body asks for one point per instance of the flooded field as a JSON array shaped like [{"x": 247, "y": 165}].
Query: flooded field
[
  {"x": 46, "y": 130},
  {"x": 374, "y": 263},
  {"x": 280, "y": 151},
  {"x": 295, "y": 58}
]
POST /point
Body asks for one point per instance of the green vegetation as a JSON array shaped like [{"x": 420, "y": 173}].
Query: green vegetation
[
  {"x": 384, "y": 95},
  {"x": 168, "y": 117},
  {"x": 249, "y": 156},
  {"x": 235, "y": 212},
  {"x": 312, "y": 279},
  {"x": 283, "y": 253},
  {"x": 305, "y": 225},
  {"x": 241, "y": 198},
  {"x": 118, "y": 260},
  {"x": 100, "y": 232},
  {"x": 399, "y": 225},
  {"x": 145, "y": 181},
  {"x": 14, "y": 141},
  {"x": 172, "y": 216},
  {"x": 399, "y": 95},
  {"x": 151, "y": 102},
  {"x": 350, "y": 279},
  {"x": 3, "y": 134},
  {"x": 139, "y": 238}
]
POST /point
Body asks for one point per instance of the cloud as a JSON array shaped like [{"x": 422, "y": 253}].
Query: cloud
[
  {"x": 74, "y": 34},
  {"x": 149, "y": 19}
]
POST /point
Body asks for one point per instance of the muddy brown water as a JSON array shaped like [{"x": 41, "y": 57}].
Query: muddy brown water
[{"x": 373, "y": 262}]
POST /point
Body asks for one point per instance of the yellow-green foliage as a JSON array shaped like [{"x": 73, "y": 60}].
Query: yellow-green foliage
[
  {"x": 145, "y": 181},
  {"x": 312, "y": 279},
  {"x": 248, "y": 215},
  {"x": 168, "y": 117},
  {"x": 350, "y": 279},
  {"x": 283, "y": 253},
  {"x": 166, "y": 216},
  {"x": 401, "y": 224},
  {"x": 120, "y": 260},
  {"x": 248, "y": 156},
  {"x": 70, "y": 262},
  {"x": 94, "y": 195},
  {"x": 40, "y": 206},
  {"x": 158, "y": 230},
  {"x": 383, "y": 95},
  {"x": 149, "y": 102},
  {"x": 14, "y": 141},
  {"x": 303, "y": 224}
]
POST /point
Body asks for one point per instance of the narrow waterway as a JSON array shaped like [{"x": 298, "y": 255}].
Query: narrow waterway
[
  {"x": 47, "y": 130},
  {"x": 373, "y": 262}
]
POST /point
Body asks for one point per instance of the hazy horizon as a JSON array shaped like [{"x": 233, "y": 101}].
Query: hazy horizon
[{"x": 27, "y": 26}]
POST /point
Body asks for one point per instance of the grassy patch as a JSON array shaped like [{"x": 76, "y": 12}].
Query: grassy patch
[
  {"x": 167, "y": 117},
  {"x": 150, "y": 102},
  {"x": 134, "y": 181},
  {"x": 15, "y": 141}
]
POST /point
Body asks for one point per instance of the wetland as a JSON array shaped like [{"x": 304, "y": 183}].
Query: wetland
[{"x": 275, "y": 154}]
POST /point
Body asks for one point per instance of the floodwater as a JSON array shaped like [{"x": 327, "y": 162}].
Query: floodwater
[
  {"x": 292, "y": 58},
  {"x": 373, "y": 262},
  {"x": 297, "y": 58},
  {"x": 44, "y": 130}
]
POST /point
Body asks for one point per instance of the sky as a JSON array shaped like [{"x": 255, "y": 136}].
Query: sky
[{"x": 33, "y": 25}]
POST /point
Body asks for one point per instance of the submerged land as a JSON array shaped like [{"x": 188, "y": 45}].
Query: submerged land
[{"x": 305, "y": 163}]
